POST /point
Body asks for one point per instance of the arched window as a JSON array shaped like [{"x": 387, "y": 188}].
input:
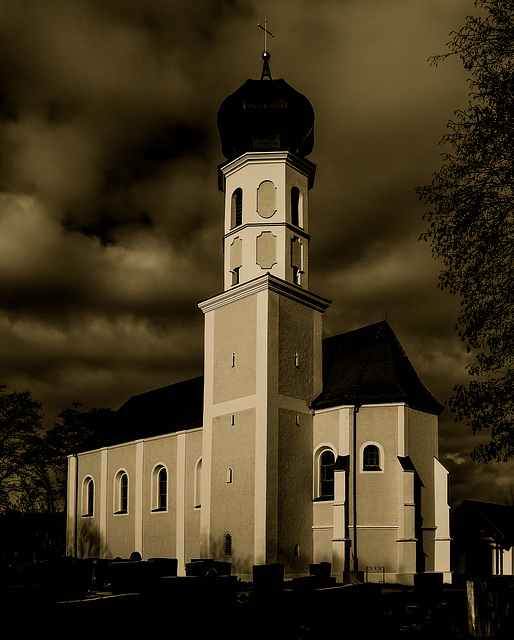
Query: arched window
[
  {"x": 88, "y": 496},
  {"x": 198, "y": 484},
  {"x": 159, "y": 488},
  {"x": 326, "y": 474},
  {"x": 371, "y": 458},
  {"x": 236, "y": 213},
  {"x": 295, "y": 206},
  {"x": 227, "y": 544},
  {"x": 163, "y": 488},
  {"x": 121, "y": 492}
]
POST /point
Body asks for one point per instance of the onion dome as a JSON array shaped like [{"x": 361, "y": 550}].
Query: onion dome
[{"x": 266, "y": 115}]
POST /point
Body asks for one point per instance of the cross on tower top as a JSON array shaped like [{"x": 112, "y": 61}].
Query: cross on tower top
[
  {"x": 266, "y": 32},
  {"x": 266, "y": 73}
]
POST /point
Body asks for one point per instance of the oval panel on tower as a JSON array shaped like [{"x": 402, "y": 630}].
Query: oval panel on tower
[{"x": 266, "y": 199}]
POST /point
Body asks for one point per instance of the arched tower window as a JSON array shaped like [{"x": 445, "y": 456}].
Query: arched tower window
[
  {"x": 121, "y": 492},
  {"x": 371, "y": 458},
  {"x": 88, "y": 496},
  {"x": 295, "y": 206},
  {"x": 159, "y": 488},
  {"x": 297, "y": 249},
  {"x": 236, "y": 213}
]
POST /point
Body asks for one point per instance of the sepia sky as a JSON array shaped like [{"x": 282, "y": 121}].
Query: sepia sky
[{"x": 110, "y": 217}]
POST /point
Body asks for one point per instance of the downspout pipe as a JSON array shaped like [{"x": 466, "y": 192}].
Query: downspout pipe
[
  {"x": 76, "y": 489},
  {"x": 355, "y": 556}
]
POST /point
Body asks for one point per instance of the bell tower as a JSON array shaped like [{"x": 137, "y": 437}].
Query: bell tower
[
  {"x": 266, "y": 130},
  {"x": 263, "y": 337}
]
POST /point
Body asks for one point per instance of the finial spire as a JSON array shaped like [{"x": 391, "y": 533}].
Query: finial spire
[{"x": 266, "y": 73}]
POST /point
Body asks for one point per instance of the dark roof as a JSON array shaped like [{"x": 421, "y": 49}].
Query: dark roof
[
  {"x": 476, "y": 519},
  {"x": 267, "y": 115},
  {"x": 169, "y": 409},
  {"x": 369, "y": 366}
]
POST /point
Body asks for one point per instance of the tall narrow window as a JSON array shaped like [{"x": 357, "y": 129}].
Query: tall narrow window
[
  {"x": 163, "y": 489},
  {"x": 88, "y": 496},
  {"x": 236, "y": 259},
  {"x": 236, "y": 209},
  {"x": 371, "y": 458},
  {"x": 233, "y": 359},
  {"x": 121, "y": 492},
  {"x": 326, "y": 475},
  {"x": 124, "y": 493},
  {"x": 295, "y": 200},
  {"x": 159, "y": 488},
  {"x": 198, "y": 484},
  {"x": 230, "y": 475},
  {"x": 297, "y": 251}
]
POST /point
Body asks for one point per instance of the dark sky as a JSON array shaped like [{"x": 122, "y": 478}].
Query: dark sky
[{"x": 110, "y": 218}]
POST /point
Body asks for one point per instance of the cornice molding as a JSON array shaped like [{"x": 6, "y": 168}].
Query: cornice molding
[
  {"x": 264, "y": 225},
  {"x": 266, "y": 157},
  {"x": 266, "y": 282}
]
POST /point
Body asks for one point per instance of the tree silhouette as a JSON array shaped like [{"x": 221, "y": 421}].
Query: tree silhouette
[
  {"x": 471, "y": 223},
  {"x": 23, "y": 481}
]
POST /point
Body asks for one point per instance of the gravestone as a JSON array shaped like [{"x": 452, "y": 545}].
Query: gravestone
[{"x": 491, "y": 607}]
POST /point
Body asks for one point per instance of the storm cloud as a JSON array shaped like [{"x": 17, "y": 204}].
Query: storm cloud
[{"x": 110, "y": 218}]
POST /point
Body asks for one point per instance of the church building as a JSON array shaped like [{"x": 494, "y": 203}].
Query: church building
[{"x": 291, "y": 448}]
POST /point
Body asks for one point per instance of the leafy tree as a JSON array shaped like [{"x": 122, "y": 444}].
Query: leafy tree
[
  {"x": 471, "y": 223},
  {"x": 73, "y": 431},
  {"x": 20, "y": 442},
  {"x": 33, "y": 463}
]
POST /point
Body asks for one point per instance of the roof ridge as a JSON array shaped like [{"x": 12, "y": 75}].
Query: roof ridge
[
  {"x": 345, "y": 333},
  {"x": 166, "y": 386}
]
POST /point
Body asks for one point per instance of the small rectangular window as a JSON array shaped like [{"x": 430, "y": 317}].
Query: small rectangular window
[
  {"x": 296, "y": 359},
  {"x": 232, "y": 420},
  {"x": 233, "y": 360}
]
